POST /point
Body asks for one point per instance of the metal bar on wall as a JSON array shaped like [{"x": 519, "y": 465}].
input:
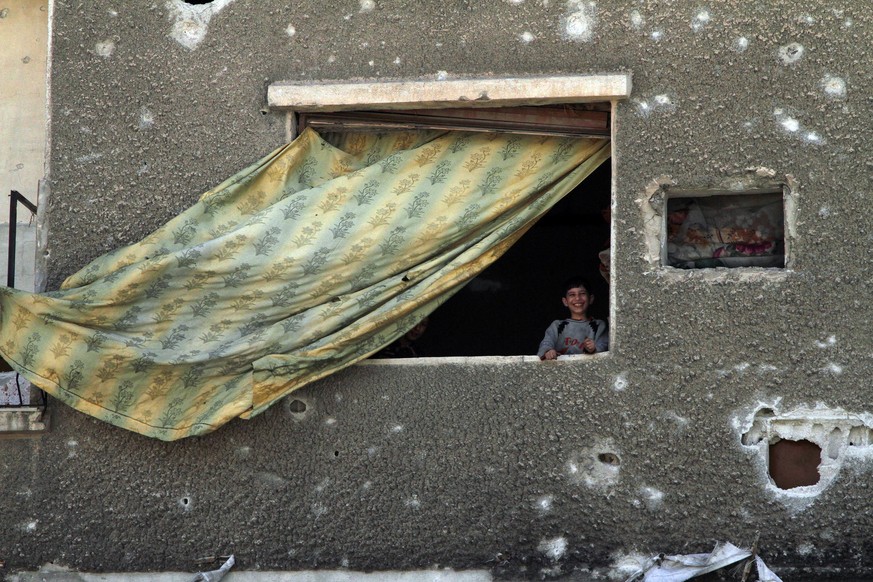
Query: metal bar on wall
[{"x": 14, "y": 198}]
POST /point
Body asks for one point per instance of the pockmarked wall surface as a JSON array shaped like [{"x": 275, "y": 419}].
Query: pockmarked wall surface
[{"x": 525, "y": 468}]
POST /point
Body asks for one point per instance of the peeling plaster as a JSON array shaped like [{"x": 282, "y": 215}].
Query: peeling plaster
[
  {"x": 834, "y": 87},
  {"x": 579, "y": 24},
  {"x": 791, "y": 125},
  {"x": 628, "y": 566},
  {"x": 620, "y": 382},
  {"x": 652, "y": 206},
  {"x": 791, "y": 53},
  {"x": 652, "y": 498},
  {"x": 597, "y": 467},
  {"x": 191, "y": 21},
  {"x": 661, "y": 103},
  {"x": 544, "y": 504},
  {"x": 146, "y": 118},
  {"x": 105, "y": 49},
  {"x": 554, "y": 549},
  {"x": 717, "y": 127},
  {"x": 740, "y": 44},
  {"x": 700, "y": 20}
]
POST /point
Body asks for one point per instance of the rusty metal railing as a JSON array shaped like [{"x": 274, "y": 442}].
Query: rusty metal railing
[{"x": 15, "y": 198}]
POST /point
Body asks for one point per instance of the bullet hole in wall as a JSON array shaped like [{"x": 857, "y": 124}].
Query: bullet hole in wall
[
  {"x": 860, "y": 436},
  {"x": 608, "y": 459}
]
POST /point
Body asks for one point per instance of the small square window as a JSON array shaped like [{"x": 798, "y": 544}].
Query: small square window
[{"x": 736, "y": 229}]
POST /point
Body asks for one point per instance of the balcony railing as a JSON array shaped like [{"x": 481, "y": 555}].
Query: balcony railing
[{"x": 15, "y": 198}]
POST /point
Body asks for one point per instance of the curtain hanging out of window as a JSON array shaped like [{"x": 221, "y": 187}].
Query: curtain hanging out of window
[{"x": 296, "y": 267}]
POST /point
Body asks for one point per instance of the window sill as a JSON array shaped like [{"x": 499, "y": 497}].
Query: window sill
[
  {"x": 475, "y": 360},
  {"x": 724, "y": 274},
  {"x": 23, "y": 419}
]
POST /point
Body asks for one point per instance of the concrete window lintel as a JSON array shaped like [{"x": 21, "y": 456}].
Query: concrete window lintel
[{"x": 454, "y": 92}]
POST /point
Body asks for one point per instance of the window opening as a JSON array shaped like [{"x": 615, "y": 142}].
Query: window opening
[
  {"x": 506, "y": 309},
  {"x": 706, "y": 230}
]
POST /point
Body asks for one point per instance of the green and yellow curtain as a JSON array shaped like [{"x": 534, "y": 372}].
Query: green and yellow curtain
[{"x": 300, "y": 265}]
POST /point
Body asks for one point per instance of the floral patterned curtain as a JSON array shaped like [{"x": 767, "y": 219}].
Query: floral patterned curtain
[{"x": 298, "y": 266}]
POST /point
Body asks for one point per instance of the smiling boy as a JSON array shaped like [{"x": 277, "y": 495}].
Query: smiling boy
[{"x": 580, "y": 334}]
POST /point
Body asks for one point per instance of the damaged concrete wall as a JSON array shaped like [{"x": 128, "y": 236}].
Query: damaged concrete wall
[
  {"x": 521, "y": 467},
  {"x": 24, "y": 30}
]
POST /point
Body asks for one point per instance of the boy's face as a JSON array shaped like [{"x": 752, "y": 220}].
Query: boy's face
[{"x": 577, "y": 300}]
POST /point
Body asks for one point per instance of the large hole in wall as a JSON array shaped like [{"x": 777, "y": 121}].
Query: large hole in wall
[
  {"x": 805, "y": 448},
  {"x": 794, "y": 463}
]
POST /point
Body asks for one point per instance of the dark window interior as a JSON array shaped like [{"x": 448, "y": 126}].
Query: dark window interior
[{"x": 506, "y": 309}]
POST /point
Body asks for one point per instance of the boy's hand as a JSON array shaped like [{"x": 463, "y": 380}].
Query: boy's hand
[
  {"x": 588, "y": 345},
  {"x": 550, "y": 355}
]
